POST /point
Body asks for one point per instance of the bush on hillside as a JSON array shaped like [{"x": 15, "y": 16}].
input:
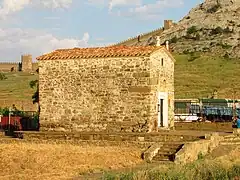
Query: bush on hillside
[
  {"x": 193, "y": 56},
  {"x": 214, "y": 8},
  {"x": 197, "y": 37},
  {"x": 227, "y": 30},
  {"x": 2, "y": 76},
  {"x": 226, "y": 46},
  {"x": 192, "y": 30},
  {"x": 217, "y": 30},
  {"x": 174, "y": 40}
]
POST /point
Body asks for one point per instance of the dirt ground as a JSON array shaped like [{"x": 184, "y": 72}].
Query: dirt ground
[{"x": 22, "y": 160}]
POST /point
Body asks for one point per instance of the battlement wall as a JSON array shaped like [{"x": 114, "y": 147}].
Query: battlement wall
[
  {"x": 26, "y": 65},
  {"x": 9, "y": 66}
]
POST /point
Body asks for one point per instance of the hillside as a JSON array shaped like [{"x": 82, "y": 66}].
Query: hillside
[
  {"x": 15, "y": 89},
  {"x": 211, "y": 27},
  {"x": 196, "y": 76}
]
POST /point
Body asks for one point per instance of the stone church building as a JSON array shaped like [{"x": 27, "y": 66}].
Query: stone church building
[{"x": 112, "y": 89}]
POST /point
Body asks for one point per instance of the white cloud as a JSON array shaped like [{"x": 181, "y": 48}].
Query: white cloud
[
  {"x": 14, "y": 42},
  {"x": 152, "y": 11},
  {"x": 53, "y": 4},
  {"x": 138, "y": 8},
  {"x": 115, "y": 3},
  {"x": 9, "y": 7}
]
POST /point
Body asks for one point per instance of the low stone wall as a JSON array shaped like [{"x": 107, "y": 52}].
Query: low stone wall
[
  {"x": 93, "y": 136},
  {"x": 151, "y": 152},
  {"x": 204, "y": 126},
  {"x": 192, "y": 150}
]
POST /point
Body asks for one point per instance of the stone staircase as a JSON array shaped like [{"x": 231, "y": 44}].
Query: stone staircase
[
  {"x": 162, "y": 151},
  {"x": 233, "y": 139},
  {"x": 167, "y": 151}
]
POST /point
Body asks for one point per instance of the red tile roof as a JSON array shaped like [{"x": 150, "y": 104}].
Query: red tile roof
[{"x": 100, "y": 52}]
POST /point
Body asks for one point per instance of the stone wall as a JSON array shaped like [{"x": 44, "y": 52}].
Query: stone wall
[
  {"x": 6, "y": 67},
  {"x": 168, "y": 24},
  {"x": 191, "y": 151},
  {"x": 26, "y": 65},
  {"x": 104, "y": 94},
  {"x": 162, "y": 80}
]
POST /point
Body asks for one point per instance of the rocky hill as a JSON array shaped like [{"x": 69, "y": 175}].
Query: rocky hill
[{"x": 211, "y": 27}]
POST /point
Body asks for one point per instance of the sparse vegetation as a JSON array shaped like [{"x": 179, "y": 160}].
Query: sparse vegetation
[
  {"x": 2, "y": 76},
  {"x": 192, "y": 30},
  {"x": 226, "y": 46},
  {"x": 199, "y": 170},
  {"x": 173, "y": 40},
  {"x": 227, "y": 30},
  {"x": 217, "y": 30},
  {"x": 35, "y": 97},
  {"x": 193, "y": 56},
  {"x": 214, "y": 8}
]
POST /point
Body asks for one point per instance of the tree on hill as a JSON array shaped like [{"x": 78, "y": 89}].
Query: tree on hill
[{"x": 35, "y": 96}]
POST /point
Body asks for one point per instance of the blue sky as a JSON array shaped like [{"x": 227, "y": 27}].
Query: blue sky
[{"x": 40, "y": 26}]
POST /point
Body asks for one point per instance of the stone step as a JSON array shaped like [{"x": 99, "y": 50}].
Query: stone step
[
  {"x": 167, "y": 152},
  {"x": 164, "y": 157},
  {"x": 230, "y": 143},
  {"x": 232, "y": 139}
]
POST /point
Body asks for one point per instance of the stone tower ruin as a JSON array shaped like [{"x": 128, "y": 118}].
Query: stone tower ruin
[
  {"x": 26, "y": 61},
  {"x": 168, "y": 24}
]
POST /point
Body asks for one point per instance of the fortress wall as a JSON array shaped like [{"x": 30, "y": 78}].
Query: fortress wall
[{"x": 6, "y": 67}]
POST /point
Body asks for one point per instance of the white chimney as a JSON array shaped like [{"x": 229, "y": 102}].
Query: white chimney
[
  {"x": 158, "y": 41},
  {"x": 167, "y": 45}
]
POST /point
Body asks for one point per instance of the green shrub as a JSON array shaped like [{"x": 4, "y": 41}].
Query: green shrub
[
  {"x": 192, "y": 30},
  {"x": 4, "y": 111},
  {"x": 128, "y": 176},
  {"x": 217, "y": 30},
  {"x": 226, "y": 56},
  {"x": 226, "y": 46},
  {"x": 214, "y": 8},
  {"x": 200, "y": 156},
  {"x": 227, "y": 30},
  {"x": 109, "y": 176},
  {"x": 174, "y": 40},
  {"x": 193, "y": 57},
  {"x": 186, "y": 51},
  {"x": 2, "y": 76}
]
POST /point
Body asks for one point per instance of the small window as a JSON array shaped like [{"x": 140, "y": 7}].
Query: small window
[{"x": 162, "y": 61}]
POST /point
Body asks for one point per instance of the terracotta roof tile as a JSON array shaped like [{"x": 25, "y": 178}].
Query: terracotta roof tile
[{"x": 99, "y": 52}]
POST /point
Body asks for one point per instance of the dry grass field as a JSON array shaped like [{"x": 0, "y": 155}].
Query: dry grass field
[{"x": 49, "y": 161}]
